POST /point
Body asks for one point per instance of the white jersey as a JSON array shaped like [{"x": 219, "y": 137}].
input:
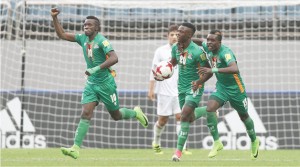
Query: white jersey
[{"x": 168, "y": 86}]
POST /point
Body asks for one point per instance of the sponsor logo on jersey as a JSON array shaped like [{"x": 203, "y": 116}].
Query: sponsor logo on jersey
[
  {"x": 236, "y": 137},
  {"x": 10, "y": 124}
]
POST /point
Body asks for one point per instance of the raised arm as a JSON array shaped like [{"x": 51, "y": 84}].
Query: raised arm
[{"x": 59, "y": 29}]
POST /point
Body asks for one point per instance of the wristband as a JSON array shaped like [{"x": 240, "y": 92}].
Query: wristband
[
  {"x": 93, "y": 70},
  {"x": 214, "y": 70}
]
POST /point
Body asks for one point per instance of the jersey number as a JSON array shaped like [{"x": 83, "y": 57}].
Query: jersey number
[
  {"x": 182, "y": 60},
  {"x": 245, "y": 102},
  {"x": 113, "y": 98}
]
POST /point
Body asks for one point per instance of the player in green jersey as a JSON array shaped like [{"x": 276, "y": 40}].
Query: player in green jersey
[
  {"x": 229, "y": 87},
  {"x": 100, "y": 86},
  {"x": 189, "y": 57}
]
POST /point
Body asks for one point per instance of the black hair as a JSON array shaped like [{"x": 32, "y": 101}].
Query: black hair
[
  {"x": 191, "y": 26},
  {"x": 218, "y": 33},
  {"x": 97, "y": 21}
]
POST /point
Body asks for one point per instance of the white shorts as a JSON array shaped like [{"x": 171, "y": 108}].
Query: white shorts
[{"x": 167, "y": 105}]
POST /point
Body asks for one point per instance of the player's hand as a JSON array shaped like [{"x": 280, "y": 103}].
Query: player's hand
[
  {"x": 195, "y": 85},
  {"x": 204, "y": 70},
  {"x": 91, "y": 71},
  {"x": 155, "y": 76},
  {"x": 151, "y": 95},
  {"x": 54, "y": 12}
]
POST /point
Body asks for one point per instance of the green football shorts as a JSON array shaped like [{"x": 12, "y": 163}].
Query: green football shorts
[
  {"x": 190, "y": 98},
  {"x": 105, "y": 92},
  {"x": 237, "y": 100}
]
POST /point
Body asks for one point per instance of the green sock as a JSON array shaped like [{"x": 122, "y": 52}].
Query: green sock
[
  {"x": 212, "y": 123},
  {"x": 127, "y": 113},
  {"x": 183, "y": 134},
  {"x": 200, "y": 112},
  {"x": 250, "y": 128},
  {"x": 81, "y": 131}
]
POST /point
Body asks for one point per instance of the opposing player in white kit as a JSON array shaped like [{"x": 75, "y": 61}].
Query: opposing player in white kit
[{"x": 167, "y": 93}]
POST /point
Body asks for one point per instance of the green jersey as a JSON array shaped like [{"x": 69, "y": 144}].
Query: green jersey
[
  {"x": 232, "y": 82},
  {"x": 95, "y": 53},
  {"x": 188, "y": 63}
]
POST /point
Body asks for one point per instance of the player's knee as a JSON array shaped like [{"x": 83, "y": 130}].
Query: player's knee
[
  {"x": 243, "y": 117},
  {"x": 116, "y": 116},
  {"x": 211, "y": 108},
  {"x": 162, "y": 123},
  {"x": 86, "y": 114}
]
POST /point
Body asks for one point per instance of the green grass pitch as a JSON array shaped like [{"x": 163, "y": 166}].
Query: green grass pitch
[{"x": 145, "y": 157}]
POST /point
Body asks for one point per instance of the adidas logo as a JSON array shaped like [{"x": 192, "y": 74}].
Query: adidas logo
[
  {"x": 236, "y": 136},
  {"x": 10, "y": 124}
]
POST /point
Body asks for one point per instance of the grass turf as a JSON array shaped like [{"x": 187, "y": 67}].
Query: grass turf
[{"x": 145, "y": 157}]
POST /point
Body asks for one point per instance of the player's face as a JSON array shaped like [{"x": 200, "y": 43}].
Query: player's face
[
  {"x": 183, "y": 34},
  {"x": 213, "y": 43},
  {"x": 172, "y": 37},
  {"x": 89, "y": 27}
]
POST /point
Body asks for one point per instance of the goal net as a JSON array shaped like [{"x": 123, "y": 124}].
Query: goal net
[{"x": 42, "y": 76}]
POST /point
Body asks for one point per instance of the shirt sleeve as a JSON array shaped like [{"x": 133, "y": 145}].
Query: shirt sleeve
[
  {"x": 106, "y": 46},
  {"x": 78, "y": 39},
  {"x": 228, "y": 57}
]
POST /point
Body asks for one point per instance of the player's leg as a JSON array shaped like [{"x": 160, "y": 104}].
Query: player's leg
[
  {"x": 200, "y": 112},
  {"x": 158, "y": 129},
  {"x": 89, "y": 101},
  {"x": 164, "y": 110},
  {"x": 215, "y": 101},
  {"x": 178, "y": 128},
  {"x": 177, "y": 113},
  {"x": 108, "y": 94},
  {"x": 240, "y": 104},
  {"x": 186, "y": 117}
]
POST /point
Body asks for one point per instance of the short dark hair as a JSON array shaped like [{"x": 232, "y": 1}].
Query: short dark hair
[
  {"x": 97, "y": 21},
  {"x": 172, "y": 28},
  {"x": 218, "y": 33},
  {"x": 191, "y": 26}
]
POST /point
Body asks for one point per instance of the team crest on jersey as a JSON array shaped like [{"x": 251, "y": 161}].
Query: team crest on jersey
[
  {"x": 189, "y": 56},
  {"x": 203, "y": 57},
  {"x": 105, "y": 43},
  {"x": 227, "y": 57}
]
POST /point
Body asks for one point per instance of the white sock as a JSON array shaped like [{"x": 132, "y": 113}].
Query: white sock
[
  {"x": 157, "y": 131},
  {"x": 178, "y": 127}
]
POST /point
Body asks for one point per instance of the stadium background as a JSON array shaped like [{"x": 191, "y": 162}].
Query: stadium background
[{"x": 265, "y": 38}]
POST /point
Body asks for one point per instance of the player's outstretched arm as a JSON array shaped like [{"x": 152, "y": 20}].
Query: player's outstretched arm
[{"x": 59, "y": 29}]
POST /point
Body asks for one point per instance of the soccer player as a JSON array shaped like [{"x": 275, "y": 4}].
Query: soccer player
[
  {"x": 100, "y": 85},
  {"x": 167, "y": 93},
  {"x": 189, "y": 57},
  {"x": 229, "y": 87}
]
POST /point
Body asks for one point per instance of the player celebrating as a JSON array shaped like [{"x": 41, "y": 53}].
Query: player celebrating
[
  {"x": 167, "y": 93},
  {"x": 100, "y": 86},
  {"x": 189, "y": 58},
  {"x": 229, "y": 87}
]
